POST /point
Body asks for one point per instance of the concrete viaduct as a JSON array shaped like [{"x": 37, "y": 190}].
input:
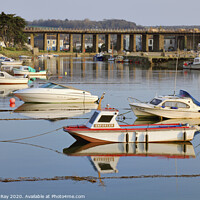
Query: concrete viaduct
[{"x": 185, "y": 38}]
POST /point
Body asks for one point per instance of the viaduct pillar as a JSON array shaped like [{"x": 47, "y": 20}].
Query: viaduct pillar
[
  {"x": 181, "y": 42},
  {"x": 83, "y": 43},
  {"x": 185, "y": 42},
  {"x": 132, "y": 43},
  {"x": 158, "y": 43},
  {"x": 120, "y": 42},
  {"x": 145, "y": 47},
  {"x": 32, "y": 40},
  {"x": 45, "y": 42},
  {"x": 95, "y": 43},
  {"x": 107, "y": 42},
  {"x": 71, "y": 43},
  {"x": 58, "y": 42}
]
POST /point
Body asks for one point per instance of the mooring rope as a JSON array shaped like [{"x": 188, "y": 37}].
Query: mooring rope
[
  {"x": 94, "y": 179},
  {"x": 12, "y": 140}
]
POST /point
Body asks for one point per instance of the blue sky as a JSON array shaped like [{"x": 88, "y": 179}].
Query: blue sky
[{"x": 142, "y": 12}]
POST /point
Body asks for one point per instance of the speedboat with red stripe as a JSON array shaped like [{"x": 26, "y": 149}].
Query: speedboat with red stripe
[{"x": 103, "y": 127}]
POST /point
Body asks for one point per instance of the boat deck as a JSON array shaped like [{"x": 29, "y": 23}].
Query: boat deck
[{"x": 129, "y": 127}]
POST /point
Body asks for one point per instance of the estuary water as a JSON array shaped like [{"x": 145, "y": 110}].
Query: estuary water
[{"x": 41, "y": 161}]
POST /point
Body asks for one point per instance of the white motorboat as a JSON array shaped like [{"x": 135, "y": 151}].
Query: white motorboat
[
  {"x": 10, "y": 61},
  {"x": 103, "y": 127},
  {"x": 7, "y": 79},
  {"x": 192, "y": 65},
  {"x": 55, "y": 93},
  {"x": 171, "y": 106},
  {"x": 23, "y": 71},
  {"x": 9, "y": 68}
]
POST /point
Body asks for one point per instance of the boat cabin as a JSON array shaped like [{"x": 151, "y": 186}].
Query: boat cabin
[
  {"x": 104, "y": 118},
  {"x": 196, "y": 61},
  {"x": 183, "y": 100}
]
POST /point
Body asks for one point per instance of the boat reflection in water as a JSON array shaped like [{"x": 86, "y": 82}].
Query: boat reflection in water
[
  {"x": 6, "y": 90},
  {"x": 54, "y": 111},
  {"x": 104, "y": 157}
]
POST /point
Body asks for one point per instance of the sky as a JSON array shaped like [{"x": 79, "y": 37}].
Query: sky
[{"x": 142, "y": 12}]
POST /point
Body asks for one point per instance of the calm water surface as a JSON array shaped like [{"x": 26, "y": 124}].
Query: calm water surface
[{"x": 46, "y": 151}]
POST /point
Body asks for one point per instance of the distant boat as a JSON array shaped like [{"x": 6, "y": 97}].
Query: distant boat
[
  {"x": 10, "y": 61},
  {"x": 29, "y": 71},
  {"x": 7, "y": 79},
  {"x": 119, "y": 59},
  {"x": 55, "y": 93},
  {"x": 111, "y": 59},
  {"x": 192, "y": 65},
  {"x": 9, "y": 68},
  {"x": 25, "y": 58},
  {"x": 98, "y": 57}
]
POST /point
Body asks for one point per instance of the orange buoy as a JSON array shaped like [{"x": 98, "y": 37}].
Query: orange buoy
[
  {"x": 12, "y": 100},
  {"x": 12, "y": 105}
]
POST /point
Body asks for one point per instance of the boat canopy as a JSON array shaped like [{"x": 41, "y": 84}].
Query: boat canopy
[
  {"x": 57, "y": 86},
  {"x": 30, "y": 69},
  {"x": 183, "y": 93}
]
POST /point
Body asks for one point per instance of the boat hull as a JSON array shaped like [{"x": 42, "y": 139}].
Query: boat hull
[
  {"x": 13, "y": 81},
  {"x": 191, "y": 66},
  {"x": 19, "y": 73},
  {"x": 12, "y": 62},
  {"x": 140, "y": 136},
  {"x": 145, "y": 111},
  {"x": 55, "y": 98}
]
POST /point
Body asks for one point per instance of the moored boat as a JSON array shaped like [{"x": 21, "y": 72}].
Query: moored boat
[
  {"x": 7, "y": 79},
  {"x": 29, "y": 71},
  {"x": 169, "y": 106},
  {"x": 103, "y": 127},
  {"x": 192, "y": 65},
  {"x": 10, "y": 61},
  {"x": 98, "y": 57},
  {"x": 55, "y": 93}
]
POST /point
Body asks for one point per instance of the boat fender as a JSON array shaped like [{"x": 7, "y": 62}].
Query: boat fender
[
  {"x": 127, "y": 148},
  {"x": 146, "y": 138},
  {"x": 136, "y": 137},
  {"x": 184, "y": 136},
  {"x": 127, "y": 138}
]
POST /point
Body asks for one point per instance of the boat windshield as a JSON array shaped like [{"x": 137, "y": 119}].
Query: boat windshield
[
  {"x": 155, "y": 101},
  {"x": 183, "y": 93},
  {"x": 94, "y": 116},
  {"x": 53, "y": 85}
]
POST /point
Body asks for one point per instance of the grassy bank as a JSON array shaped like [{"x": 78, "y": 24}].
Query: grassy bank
[{"x": 15, "y": 53}]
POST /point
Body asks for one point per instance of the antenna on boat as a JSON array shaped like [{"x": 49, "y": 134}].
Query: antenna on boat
[
  {"x": 176, "y": 70},
  {"x": 99, "y": 106}
]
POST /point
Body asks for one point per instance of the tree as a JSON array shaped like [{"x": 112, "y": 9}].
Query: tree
[{"x": 11, "y": 29}]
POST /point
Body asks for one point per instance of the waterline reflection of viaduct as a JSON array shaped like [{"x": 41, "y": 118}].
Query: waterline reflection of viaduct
[{"x": 185, "y": 38}]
